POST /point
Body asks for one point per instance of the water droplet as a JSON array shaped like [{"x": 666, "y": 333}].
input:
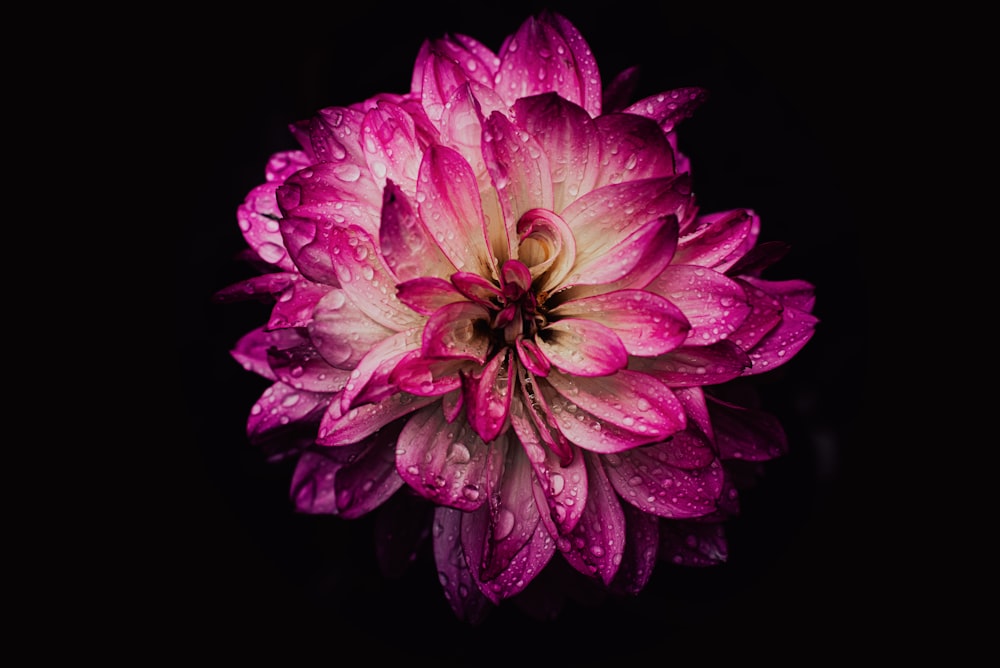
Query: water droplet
[{"x": 504, "y": 525}]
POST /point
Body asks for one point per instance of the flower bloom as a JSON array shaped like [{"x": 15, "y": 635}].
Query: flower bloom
[{"x": 497, "y": 292}]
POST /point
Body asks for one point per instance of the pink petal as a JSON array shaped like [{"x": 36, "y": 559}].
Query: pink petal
[
  {"x": 335, "y": 135},
  {"x": 426, "y": 295},
  {"x": 764, "y": 316},
  {"x": 568, "y": 138},
  {"x": 457, "y": 331},
  {"x": 489, "y": 396},
  {"x": 670, "y": 108},
  {"x": 367, "y": 281},
  {"x": 797, "y": 294},
  {"x": 632, "y": 148},
  {"x": 389, "y": 138},
  {"x": 646, "y": 323},
  {"x": 783, "y": 342},
  {"x": 520, "y": 172},
  {"x": 476, "y": 288},
  {"x": 283, "y": 164},
  {"x": 332, "y": 194},
  {"x": 582, "y": 347},
  {"x": 460, "y": 587},
  {"x": 693, "y": 543},
  {"x": 596, "y": 545},
  {"x": 303, "y": 368},
  {"x": 450, "y": 207},
  {"x": 445, "y": 463},
  {"x": 343, "y": 428},
  {"x": 540, "y": 413},
  {"x": 716, "y": 240},
  {"x": 408, "y": 248},
  {"x": 588, "y": 73},
  {"x": 746, "y": 433},
  {"x": 440, "y": 77},
  {"x": 615, "y": 412},
  {"x": 428, "y": 377},
  {"x": 281, "y": 406},
  {"x": 643, "y": 480},
  {"x": 295, "y": 304},
  {"x": 342, "y": 332},
  {"x": 258, "y": 217},
  {"x": 370, "y": 379},
  {"x": 618, "y": 92},
  {"x": 693, "y": 366},
  {"x": 714, "y": 304},
  {"x": 252, "y": 348},
  {"x": 262, "y": 288},
  {"x": 641, "y": 550}
]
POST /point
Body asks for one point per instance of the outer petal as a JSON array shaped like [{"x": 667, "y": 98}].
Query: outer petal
[
  {"x": 344, "y": 428},
  {"x": 669, "y": 108},
  {"x": 641, "y": 550},
  {"x": 693, "y": 543},
  {"x": 302, "y": 368},
  {"x": 408, "y": 248},
  {"x": 460, "y": 587},
  {"x": 795, "y": 329},
  {"x": 597, "y": 544},
  {"x": 446, "y": 463},
  {"x": 281, "y": 406},
  {"x": 586, "y": 65},
  {"x": 632, "y": 148},
  {"x": 613, "y": 413},
  {"x": 258, "y": 220},
  {"x": 371, "y": 381},
  {"x": 646, "y": 323},
  {"x": 262, "y": 288},
  {"x": 582, "y": 347},
  {"x": 295, "y": 303},
  {"x": 715, "y": 239},
  {"x": 252, "y": 349},
  {"x": 746, "y": 433},
  {"x": 342, "y": 332},
  {"x": 694, "y": 366},
  {"x": 331, "y": 194},
  {"x": 714, "y": 304},
  {"x": 645, "y": 481}
]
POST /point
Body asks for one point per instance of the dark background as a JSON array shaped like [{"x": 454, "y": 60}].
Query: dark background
[{"x": 794, "y": 128}]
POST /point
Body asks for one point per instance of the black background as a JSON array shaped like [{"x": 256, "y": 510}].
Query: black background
[{"x": 793, "y": 128}]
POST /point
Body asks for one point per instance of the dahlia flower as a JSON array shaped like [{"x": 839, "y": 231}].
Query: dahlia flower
[{"x": 496, "y": 292}]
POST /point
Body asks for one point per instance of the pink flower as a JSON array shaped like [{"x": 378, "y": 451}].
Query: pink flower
[{"x": 497, "y": 292}]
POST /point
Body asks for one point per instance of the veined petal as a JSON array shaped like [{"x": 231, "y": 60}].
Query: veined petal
[
  {"x": 258, "y": 217},
  {"x": 343, "y": 428},
  {"x": 645, "y": 323},
  {"x": 582, "y": 347},
  {"x": 367, "y": 281},
  {"x": 671, "y": 107},
  {"x": 615, "y": 412},
  {"x": 426, "y": 295},
  {"x": 440, "y": 77},
  {"x": 408, "y": 248},
  {"x": 457, "y": 331},
  {"x": 488, "y": 395},
  {"x": 765, "y": 315},
  {"x": 597, "y": 543},
  {"x": 783, "y": 342},
  {"x": 450, "y": 207},
  {"x": 618, "y": 93},
  {"x": 334, "y": 317},
  {"x": 664, "y": 490},
  {"x": 302, "y": 368},
  {"x": 746, "y": 433},
  {"x": 520, "y": 173},
  {"x": 642, "y": 537},
  {"x": 693, "y": 543},
  {"x": 446, "y": 463},
  {"x": 568, "y": 138},
  {"x": 716, "y": 238},
  {"x": 714, "y": 304},
  {"x": 389, "y": 137},
  {"x": 460, "y": 587},
  {"x": 797, "y": 294},
  {"x": 632, "y": 148},
  {"x": 694, "y": 366}
]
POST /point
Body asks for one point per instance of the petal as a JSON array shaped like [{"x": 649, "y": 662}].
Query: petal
[
  {"x": 450, "y": 207},
  {"x": 335, "y": 135},
  {"x": 714, "y": 304},
  {"x": 641, "y": 550},
  {"x": 546, "y": 246},
  {"x": 262, "y": 288},
  {"x": 445, "y": 463},
  {"x": 667, "y": 491},
  {"x": 252, "y": 348},
  {"x": 694, "y": 366},
  {"x": 797, "y": 294},
  {"x": 302, "y": 368},
  {"x": 296, "y": 303},
  {"x": 389, "y": 137},
  {"x": 428, "y": 377},
  {"x": 370, "y": 380},
  {"x": 582, "y": 347},
  {"x": 426, "y": 295},
  {"x": 693, "y": 543},
  {"x": 457, "y": 331},
  {"x": 283, "y": 164},
  {"x": 716, "y": 240},
  {"x": 460, "y": 588},
  {"x": 440, "y": 77},
  {"x": 332, "y": 194},
  {"x": 568, "y": 138},
  {"x": 645, "y": 323},
  {"x": 783, "y": 342},
  {"x": 671, "y": 107},
  {"x": 367, "y": 281},
  {"x": 343, "y": 428},
  {"x": 408, "y": 248},
  {"x": 258, "y": 217},
  {"x": 585, "y": 64},
  {"x": 342, "y": 332},
  {"x": 618, "y": 92},
  {"x": 488, "y": 399},
  {"x": 596, "y": 545},
  {"x": 615, "y": 412},
  {"x": 765, "y": 314},
  {"x": 632, "y": 148},
  {"x": 281, "y": 406},
  {"x": 746, "y": 433}
]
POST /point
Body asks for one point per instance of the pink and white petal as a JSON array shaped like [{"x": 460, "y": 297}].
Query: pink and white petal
[
  {"x": 454, "y": 331},
  {"x": 476, "y": 288},
  {"x": 367, "y": 281},
  {"x": 303, "y": 368},
  {"x": 670, "y": 108},
  {"x": 450, "y": 207},
  {"x": 342, "y": 332},
  {"x": 596, "y": 545},
  {"x": 428, "y": 377},
  {"x": 585, "y": 65},
  {"x": 427, "y": 294},
  {"x": 283, "y": 164},
  {"x": 693, "y": 543},
  {"x": 642, "y": 538},
  {"x": 262, "y": 288},
  {"x": 258, "y": 217},
  {"x": 343, "y": 428},
  {"x": 333, "y": 194},
  {"x": 440, "y": 78},
  {"x": 632, "y": 148},
  {"x": 615, "y": 412},
  {"x": 764, "y": 316},
  {"x": 370, "y": 381},
  {"x": 569, "y": 139},
  {"x": 335, "y": 135},
  {"x": 582, "y": 347},
  {"x": 251, "y": 351},
  {"x": 408, "y": 248},
  {"x": 695, "y": 366},
  {"x": 713, "y": 240},
  {"x": 561, "y": 492},
  {"x": 296, "y": 303},
  {"x": 663, "y": 490},
  {"x": 746, "y": 433},
  {"x": 520, "y": 172},
  {"x": 308, "y": 246},
  {"x": 389, "y": 137},
  {"x": 714, "y": 304},
  {"x": 460, "y": 588},
  {"x": 489, "y": 396},
  {"x": 546, "y": 246},
  {"x": 444, "y": 462},
  {"x": 646, "y": 323},
  {"x": 280, "y": 406},
  {"x": 462, "y": 124}
]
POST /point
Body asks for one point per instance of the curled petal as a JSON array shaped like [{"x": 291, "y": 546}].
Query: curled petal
[
  {"x": 428, "y": 377},
  {"x": 335, "y": 314},
  {"x": 457, "y": 331},
  {"x": 532, "y": 357},
  {"x": 460, "y": 587},
  {"x": 596, "y": 545},
  {"x": 582, "y": 347},
  {"x": 645, "y": 323},
  {"x": 714, "y": 304},
  {"x": 408, "y": 248},
  {"x": 694, "y": 366},
  {"x": 658, "y": 488},
  {"x": 445, "y": 463},
  {"x": 546, "y": 246}
]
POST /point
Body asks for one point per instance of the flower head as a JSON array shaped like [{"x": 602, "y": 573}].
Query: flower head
[{"x": 496, "y": 293}]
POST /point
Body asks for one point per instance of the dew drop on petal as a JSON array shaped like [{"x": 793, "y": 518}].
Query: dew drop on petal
[{"x": 504, "y": 524}]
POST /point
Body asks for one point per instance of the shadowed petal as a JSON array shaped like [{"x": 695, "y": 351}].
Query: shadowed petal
[
  {"x": 456, "y": 331},
  {"x": 582, "y": 347},
  {"x": 641, "y": 550},
  {"x": 281, "y": 405},
  {"x": 258, "y": 219},
  {"x": 746, "y": 433},
  {"x": 693, "y": 543},
  {"x": 645, "y": 481},
  {"x": 428, "y": 377},
  {"x": 716, "y": 239},
  {"x": 596, "y": 545},
  {"x": 460, "y": 587},
  {"x": 251, "y": 351},
  {"x": 694, "y": 366},
  {"x": 332, "y": 194},
  {"x": 489, "y": 395},
  {"x": 265, "y": 287},
  {"x": 714, "y": 304},
  {"x": 670, "y": 108},
  {"x": 302, "y": 368},
  {"x": 335, "y": 314},
  {"x": 295, "y": 303},
  {"x": 632, "y": 148}
]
